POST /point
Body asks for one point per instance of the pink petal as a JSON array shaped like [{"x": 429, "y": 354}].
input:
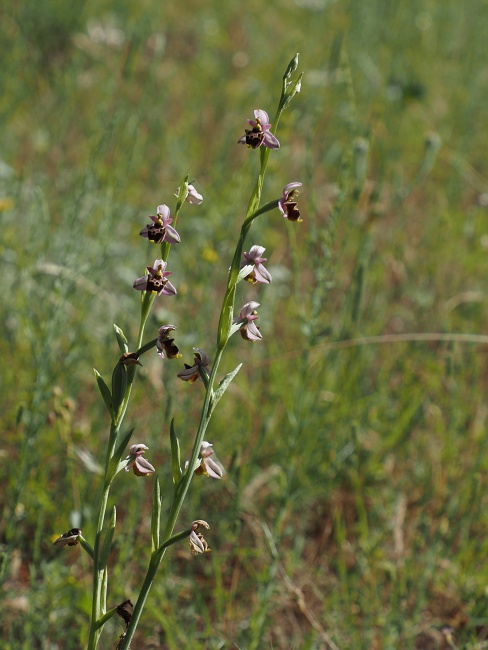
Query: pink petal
[
  {"x": 262, "y": 116},
  {"x": 271, "y": 141},
  {"x": 169, "y": 289},
  {"x": 290, "y": 186},
  {"x": 262, "y": 274},
  {"x": 141, "y": 283},
  {"x": 253, "y": 333},
  {"x": 163, "y": 210}
]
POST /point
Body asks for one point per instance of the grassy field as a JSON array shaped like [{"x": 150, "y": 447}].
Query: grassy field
[{"x": 354, "y": 510}]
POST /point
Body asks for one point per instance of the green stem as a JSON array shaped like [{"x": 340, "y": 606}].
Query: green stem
[
  {"x": 147, "y": 301},
  {"x": 97, "y": 605},
  {"x": 99, "y": 593},
  {"x": 182, "y": 489},
  {"x": 253, "y": 211},
  {"x": 154, "y": 563}
]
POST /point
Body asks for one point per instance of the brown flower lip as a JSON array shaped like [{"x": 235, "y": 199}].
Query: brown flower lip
[{"x": 68, "y": 539}]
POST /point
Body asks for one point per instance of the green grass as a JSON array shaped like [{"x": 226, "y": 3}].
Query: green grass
[{"x": 354, "y": 508}]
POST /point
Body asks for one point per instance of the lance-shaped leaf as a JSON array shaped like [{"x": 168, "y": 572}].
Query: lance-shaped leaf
[
  {"x": 103, "y": 590},
  {"x": 107, "y": 542},
  {"x": 86, "y": 547},
  {"x": 119, "y": 386},
  {"x": 121, "y": 339},
  {"x": 103, "y": 619},
  {"x": 146, "y": 347},
  {"x": 225, "y": 322},
  {"x": 222, "y": 387},
  {"x": 175, "y": 455},
  {"x": 155, "y": 515},
  {"x": 182, "y": 193},
  {"x": 116, "y": 464},
  {"x": 292, "y": 88},
  {"x": 105, "y": 391}
]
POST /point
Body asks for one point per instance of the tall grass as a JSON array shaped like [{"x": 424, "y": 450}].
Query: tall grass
[{"x": 353, "y": 513}]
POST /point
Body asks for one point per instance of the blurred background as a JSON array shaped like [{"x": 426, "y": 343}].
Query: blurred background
[{"x": 353, "y": 511}]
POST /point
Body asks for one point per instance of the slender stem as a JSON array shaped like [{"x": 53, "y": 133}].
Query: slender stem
[
  {"x": 205, "y": 416},
  {"x": 154, "y": 563},
  {"x": 97, "y": 574},
  {"x": 181, "y": 490},
  {"x": 99, "y": 592}
]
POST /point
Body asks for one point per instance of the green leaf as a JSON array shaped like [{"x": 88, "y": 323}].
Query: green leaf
[
  {"x": 103, "y": 590},
  {"x": 121, "y": 340},
  {"x": 119, "y": 386},
  {"x": 146, "y": 347},
  {"x": 172, "y": 540},
  {"x": 292, "y": 89},
  {"x": 155, "y": 516},
  {"x": 222, "y": 387},
  {"x": 86, "y": 547},
  {"x": 105, "y": 391},
  {"x": 147, "y": 301},
  {"x": 101, "y": 621},
  {"x": 175, "y": 455},
  {"x": 107, "y": 542},
  {"x": 182, "y": 193},
  {"x": 225, "y": 322},
  {"x": 115, "y": 464}
]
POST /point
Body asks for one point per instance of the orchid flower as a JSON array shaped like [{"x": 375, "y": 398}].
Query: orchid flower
[
  {"x": 160, "y": 230},
  {"x": 68, "y": 539},
  {"x": 192, "y": 373},
  {"x": 258, "y": 272},
  {"x": 194, "y": 197},
  {"x": 287, "y": 205},
  {"x": 248, "y": 328},
  {"x": 208, "y": 466},
  {"x": 196, "y": 540},
  {"x": 165, "y": 344},
  {"x": 140, "y": 466},
  {"x": 156, "y": 280},
  {"x": 260, "y": 133}
]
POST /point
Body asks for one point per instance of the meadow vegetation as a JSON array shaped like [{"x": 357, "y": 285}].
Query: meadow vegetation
[{"x": 353, "y": 511}]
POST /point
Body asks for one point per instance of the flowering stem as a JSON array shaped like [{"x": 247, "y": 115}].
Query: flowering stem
[
  {"x": 182, "y": 489},
  {"x": 97, "y": 606},
  {"x": 253, "y": 211},
  {"x": 154, "y": 563},
  {"x": 225, "y": 323},
  {"x": 99, "y": 573},
  {"x": 99, "y": 601}
]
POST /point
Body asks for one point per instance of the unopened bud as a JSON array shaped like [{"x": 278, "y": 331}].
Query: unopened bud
[
  {"x": 293, "y": 88},
  {"x": 292, "y": 66}
]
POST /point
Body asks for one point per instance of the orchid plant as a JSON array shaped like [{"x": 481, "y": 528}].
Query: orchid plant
[{"x": 246, "y": 265}]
